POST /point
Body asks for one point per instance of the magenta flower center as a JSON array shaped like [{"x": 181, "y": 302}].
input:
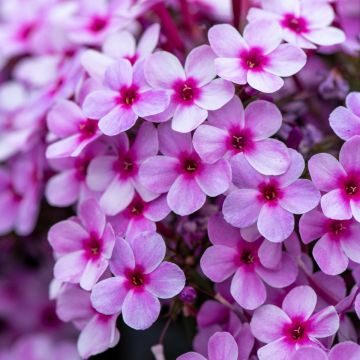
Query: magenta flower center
[
  {"x": 297, "y": 332},
  {"x": 190, "y": 165},
  {"x": 137, "y": 208},
  {"x": 132, "y": 58},
  {"x": 25, "y": 31},
  {"x": 253, "y": 59},
  {"x": 125, "y": 166},
  {"x": 337, "y": 227},
  {"x": 238, "y": 142},
  {"x": 186, "y": 91},
  {"x": 137, "y": 279},
  {"x": 88, "y": 128},
  {"x": 351, "y": 188},
  {"x": 270, "y": 193},
  {"x": 97, "y": 23},
  {"x": 128, "y": 96},
  {"x": 93, "y": 246},
  {"x": 294, "y": 23},
  {"x": 247, "y": 257}
]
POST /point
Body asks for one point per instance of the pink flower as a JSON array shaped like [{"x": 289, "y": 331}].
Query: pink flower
[
  {"x": 345, "y": 121},
  {"x": 120, "y": 45},
  {"x": 338, "y": 241},
  {"x": 231, "y": 131},
  {"x": 117, "y": 175},
  {"x": 269, "y": 201},
  {"x": 125, "y": 98},
  {"x": 304, "y": 23},
  {"x": 140, "y": 216},
  {"x": 67, "y": 122},
  {"x": 340, "y": 180},
  {"x": 98, "y": 331},
  {"x": 83, "y": 246},
  {"x": 141, "y": 277},
  {"x": 181, "y": 171},
  {"x": 193, "y": 89},
  {"x": 287, "y": 329},
  {"x": 231, "y": 255},
  {"x": 69, "y": 184},
  {"x": 222, "y": 346},
  {"x": 258, "y": 58}
]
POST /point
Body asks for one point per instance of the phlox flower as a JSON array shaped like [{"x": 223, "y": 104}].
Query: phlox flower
[
  {"x": 116, "y": 175},
  {"x": 345, "y": 121},
  {"x": 68, "y": 185},
  {"x": 257, "y": 58},
  {"x": 293, "y": 326},
  {"x": 221, "y": 346},
  {"x": 180, "y": 170},
  {"x": 193, "y": 89},
  {"x": 83, "y": 246},
  {"x": 339, "y": 180},
  {"x": 140, "y": 216},
  {"x": 125, "y": 97},
  {"x": 98, "y": 331},
  {"x": 74, "y": 130},
  {"x": 230, "y": 256},
  {"x": 140, "y": 278},
  {"x": 213, "y": 317},
  {"x": 305, "y": 23},
  {"x": 121, "y": 45},
  {"x": 269, "y": 201},
  {"x": 231, "y": 131},
  {"x": 338, "y": 241}
]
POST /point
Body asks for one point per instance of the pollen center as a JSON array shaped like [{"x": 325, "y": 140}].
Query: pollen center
[
  {"x": 351, "y": 188},
  {"x": 187, "y": 93},
  {"x": 190, "y": 166},
  {"x": 297, "y": 332},
  {"x": 238, "y": 142},
  {"x": 137, "y": 279},
  {"x": 247, "y": 257}
]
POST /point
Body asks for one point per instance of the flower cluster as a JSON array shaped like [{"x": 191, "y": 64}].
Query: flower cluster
[{"x": 195, "y": 167}]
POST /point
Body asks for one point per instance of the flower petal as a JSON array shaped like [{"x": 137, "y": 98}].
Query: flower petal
[
  {"x": 151, "y": 102},
  {"x": 349, "y": 156},
  {"x": 345, "y": 123},
  {"x": 117, "y": 120},
  {"x": 230, "y": 69},
  {"x": 312, "y": 225},
  {"x": 326, "y": 36},
  {"x": 188, "y": 118},
  {"x": 264, "y": 81},
  {"x": 122, "y": 258},
  {"x": 334, "y": 206},
  {"x": 222, "y": 346},
  {"x": 324, "y": 323},
  {"x": 92, "y": 217},
  {"x": 99, "y": 103},
  {"x": 118, "y": 75}
]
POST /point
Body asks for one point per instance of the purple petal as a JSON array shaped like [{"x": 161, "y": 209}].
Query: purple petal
[
  {"x": 221, "y": 233},
  {"x": 166, "y": 281},
  {"x": 226, "y": 41},
  {"x": 295, "y": 170},
  {"x": 117, "y": 120},
  {"x": 335, "y": 206},
  {"x": 344, "y": 123},
  {"x": 275, "y": 223},
  {"x": 270, "y": 254},
  {"x": 310, "y": 352},
  {"x": 95, "y": 63},
  {"x": 146, "y": 143},
  {"x": 215, "y": 94},
  {"x": 67, "y": 236},
  {"x": 163, "y": 69},
  {"x": 326, "y": 36},
  {"x": 353, "y": 102},
  {"x": 279, "y": 349},
  {"x": 215, "y": 179},
  {"x": 210, "y": 143},
  {"x": 157, "y": 209},
  {"x": 119, "y": 45},
  {"x": 149, "y": 40},
  {"x": 267, "y": 323},
  {"x": 231, "y": 70},
  {"x": 193, "y": 197},
  {"x": 173, "y": 143},
  {"x": 222, "y": 346},
  {"x": 218, "y": 262},
  {"x": 101, "y": 172},
  {"x": 243, "y": 174},
  {"x": 188, "y": 118},
  {"x": 118, "y": 75},
  {"x": 324, "y": 323},
  {"x": 300, "y": 302},
  {"x": 247, "y": 289},
  {"x": 200, "y": 66},
  {"x": 191, "y": 356},
  {"x": 325, "y": 171},
  {"x": 158, "y": 173},
  {"x": 269, "y": 157},
  {"x": 122, "y": 258},
  {"x": 151, "y": 102},
  {"x": 70, "y": 267},
  {"x": 241, "y": 208},
  {"x": 264, "y": 81},
  {"x": 263, "y": 118},
  {"x": 140, "y": 309},
  {"x": 108, "y": 295},
  {"x": 346, "y": 350},
  {"x": 64, "y": 148},
  {"x": 329, "y": 256},
  {"x": 286, "y": 60},
  {"x": 312, "y": 226},
  {"x": 92, "y": 217},
  {"x": 349, "y": 156},
  {"x": 92, "y": 273},
  {"x": 351, "y": 245},
  {"x": 149, "y": 250},
  {"x": 99, "y": 103}
]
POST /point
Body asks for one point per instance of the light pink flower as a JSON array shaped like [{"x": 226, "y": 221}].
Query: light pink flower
[
  {"x": 222, "y": 346},
  {"x": 140, "y": 216},
  {"x": 231, "y": 131},
  {"x": 339, "y": 180},
  {"x": 286, "y": 330},
  {"x": 117, "y": 176},
  {"x": 305, "y": 23},
  {"x": 231, "y": 256},
  {"x": 193, "y": 89},
  {"x": 67, "y": 121},
  {"x": 121, "y": 45},
  {"x": 98, "y": 331},
  {"x": 83, "y": 246},
  {"x": 127, "y": 96},
  {"x": 181, "y": 171},
  {"x": 269, "y": 201},
  {"x": 345, "y": 121},
  {"x": 258, "y": 58},
  {"x": 141, "y": 277},
  {"x": 338, "y": 241}
]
